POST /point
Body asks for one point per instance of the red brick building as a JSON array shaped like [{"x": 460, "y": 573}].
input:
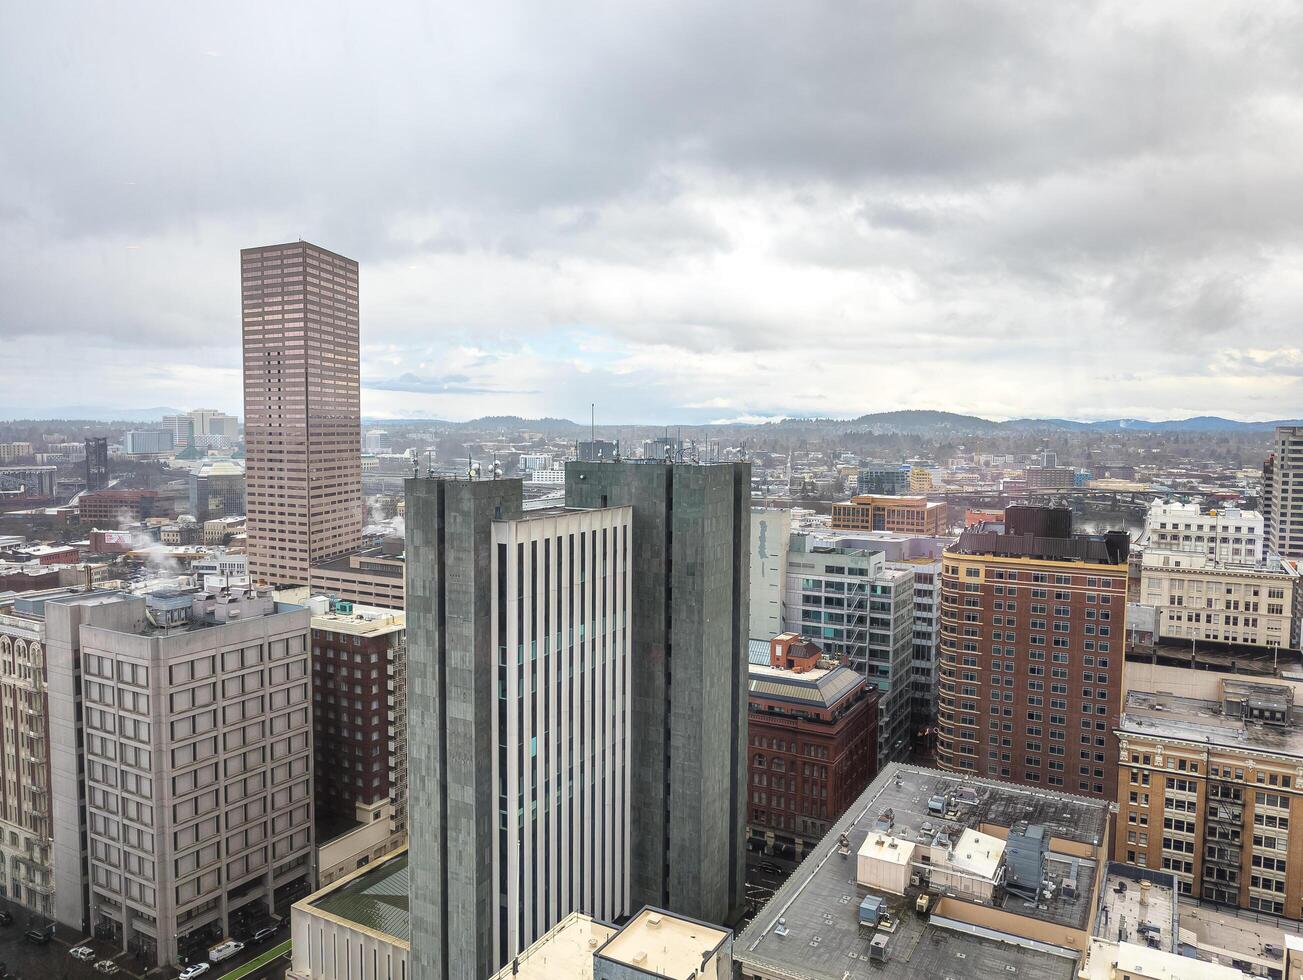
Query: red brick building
[
  {"x": 113, "y": 508},
  {"x": 1033, "y": 622},
  {"x": 812, "y": 733},
  {"x": 359, "y": 656}
]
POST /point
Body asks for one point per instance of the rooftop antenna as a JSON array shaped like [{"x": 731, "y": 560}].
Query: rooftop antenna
[{"x": 592, "y": 427}]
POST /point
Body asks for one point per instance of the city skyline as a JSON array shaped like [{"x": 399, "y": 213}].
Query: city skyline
[{"x": 1091, "y": 206}]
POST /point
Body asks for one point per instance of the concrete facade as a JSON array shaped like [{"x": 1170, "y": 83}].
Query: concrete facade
[
  {"x": 519, "y": 678},
  {"x": 853, "y": 605},
  {"x": 770, "y": 530},
  {"x": 198, "y": 749},
  {"x": 451, "y": 797},
  {"x": 64, "y": 618},
  {"x": 1199, "y": 598},
  {"x": 357, "y": 927},
  {"x": 1226, "y": 534},
  {"x": 691, "y": 532}
]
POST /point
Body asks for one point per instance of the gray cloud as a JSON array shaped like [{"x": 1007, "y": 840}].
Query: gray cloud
[
  {"x": 448, "y": 384},
  {"x": 708, "y": 192}
]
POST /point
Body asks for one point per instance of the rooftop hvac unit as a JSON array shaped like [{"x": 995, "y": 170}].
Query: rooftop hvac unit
[{"x": 879, "y": 949}]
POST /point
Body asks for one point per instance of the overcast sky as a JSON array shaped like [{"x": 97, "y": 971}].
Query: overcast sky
[{"x": 683, "y": 211}]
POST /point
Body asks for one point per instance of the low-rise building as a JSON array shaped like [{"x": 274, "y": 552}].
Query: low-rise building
[
  {"x": 929, "y": 876},
  {"x": 362, "y": 918},
  {"x": 1050, "y": 477},
  {"x": 115, "y": 508},
  {"x": 181, "y": 533},
  {"x": 222, "y": 564},
  {"x": 653, "y": 943},
  {"x": 905, "y": 515},
  {"x": 219, "y": 530}
]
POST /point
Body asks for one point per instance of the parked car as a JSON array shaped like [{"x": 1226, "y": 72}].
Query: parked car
[
  {"x": 262, "y": 935},
  {"x": 5, "y": 918},
  {"x": 224, "y": 951},
  {"x": 38, "y": 936},
  {"x": 106, "y": 966},
  {"x": 190, "y": 972},
  {"x": 83, "y": 953}
]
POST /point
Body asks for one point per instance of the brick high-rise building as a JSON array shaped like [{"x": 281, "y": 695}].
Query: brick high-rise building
[
  {"x": 1033, "y": 623},
  {"x": 302, "y": 411},
  {"x": 359, "y": 725}
]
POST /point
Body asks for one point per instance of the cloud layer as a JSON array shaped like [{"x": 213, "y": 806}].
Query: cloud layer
[{"x": 680, "y": 211}]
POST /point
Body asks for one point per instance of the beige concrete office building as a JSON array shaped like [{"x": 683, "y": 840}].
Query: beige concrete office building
[
  {"x": 1208, "y": 788},
  {"x": 1198, "y": 598},
  {"x": 303, "y": 476},
  {"x": 198, "y": 768}
]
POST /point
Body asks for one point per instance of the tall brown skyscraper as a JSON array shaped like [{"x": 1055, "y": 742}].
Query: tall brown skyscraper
[{"x": 302, "y": 410}]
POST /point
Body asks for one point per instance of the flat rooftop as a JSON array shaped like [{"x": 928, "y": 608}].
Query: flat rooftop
[
  {"x": 1108, "y": 959},
  {"x": 810, "y": 928},
  {"x": 565, "y": 950},
  {"x": 375, "y": 899},
  {"x": 363, "y": 621},
  {"x": 1121, "y": 914},
  {"x": 379, "y": 563},
  {"x": 1223, "y": 934},
  {"x": 664, "y": 945},
  {"x": 1159, "y": 715}
]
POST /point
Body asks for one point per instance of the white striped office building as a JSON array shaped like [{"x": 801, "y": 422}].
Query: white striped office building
[{"x": 561, "y": 767}]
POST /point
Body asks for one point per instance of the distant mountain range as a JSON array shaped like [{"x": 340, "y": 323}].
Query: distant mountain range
[
  {"x": 934, "y": 423},
  {"x": 925, "y": 423},
  {"x": 911, "y": 422}
]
